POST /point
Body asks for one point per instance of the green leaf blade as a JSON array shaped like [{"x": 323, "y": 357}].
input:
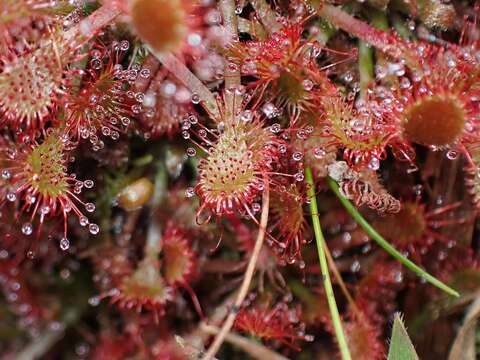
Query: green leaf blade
[{"x": 401, "y": 347}]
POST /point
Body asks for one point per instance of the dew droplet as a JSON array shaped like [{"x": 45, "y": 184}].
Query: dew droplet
[
  {"x": 27, "y": 229},
  {"x": 64, "y": 244},
  {"x": 374, "y": 164},
  {"x": 145, "y": 73},
  {"x": 186, "y": 125},
  {"x": 94, "y": 301},
  {"x": 140, "y": 97},
  {"x": 348, "y": 77},
  {"x": 309, "y": 338},
  {"x": 191, "y": 152},
  {"x": 30, "y": 198},
  {"x": 194, "y": 39},
  {"x": 398, "y": 276},
  {"x": 192, "y": 119},
  {"x": 270, "y": 110},
  {"x": 6, "y": 174},
  {"x": 319, "y": 153},
  {"x": 355, "y": 266},
  {"x": 418, "y": 189},
  {"x": 307, "y": 84},
  {"x": 195, "y": 98},
  {"x": 96, "y": 64},
  {"x": 275, "y": 128},
  {"x": 45, "y": 210},
  {"x": 93, "y": 229},
  {"x": 124, "y": 45},
  {"x": 297, "y": 156},
  {"x": 299, "y": 176},
  {"x": 90, "y": 207},
  {"x": 189, "y": 192},
  {"x": 452, "y": 154},
  {"x": 405, "y": 83},
  {"x": 358, "y": 125},
  {"x": 83, "y": 220},
  {"x": 247, "y": 116}
]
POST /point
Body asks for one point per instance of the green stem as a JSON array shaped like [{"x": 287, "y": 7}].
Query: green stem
[
  {"x": 385, "y": 244},
  {"x": 365, "y": 66},
  {"x": 400, "y": 27},
  {"x": 366, "y": 53},
  {"x": 378, "y": 19},
  {"x": 337, "y": 323}
]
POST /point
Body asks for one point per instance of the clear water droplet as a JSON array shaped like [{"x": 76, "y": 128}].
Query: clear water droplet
[
  {"x": 270, "y": 110},
  {"x": 297, "y": 156},
  {"x": 275, "y": 128},
  {"x": 124, "y": 45},
  {"x": 452, "y": 154},
  {"x": 27, "y": 228},
  {"x": 93, "y": 229},
  {"x": 191, "y": 152},
  {"x": 374, "y": 164},
  {"x": 6, "y": 174},
  {"x": 94, "y": 301},
  {"x": 319, "y": 153},
  {"x": 307, "y": 84},
  {"x": 195, "y": 98},
  {"x": 299, "y": 176},
  {"x": 247, "y": 116},
  {"x": 189, "y": 192},
  {"x": 64, "y": 244},
  {"x": 83, "y": 220}
]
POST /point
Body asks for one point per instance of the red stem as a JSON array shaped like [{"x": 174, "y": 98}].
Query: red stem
[
  {"x": 384, "y": 41},
  {"x": 89, "y": 26}
]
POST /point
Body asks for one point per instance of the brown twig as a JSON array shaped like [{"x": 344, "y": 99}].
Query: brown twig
[
  {"x": 242, "y": 293},
  {"x": 252, "y": 348},
  {"x": 341, "y": 283}
]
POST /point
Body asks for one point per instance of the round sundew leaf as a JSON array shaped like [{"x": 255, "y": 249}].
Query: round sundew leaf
[{"x": 435, "y": 121}]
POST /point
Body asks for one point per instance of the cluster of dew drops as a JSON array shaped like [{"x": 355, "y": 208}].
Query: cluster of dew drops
[{"x": 125, "y": 77}]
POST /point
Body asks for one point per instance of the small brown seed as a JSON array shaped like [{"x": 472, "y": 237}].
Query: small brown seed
[{"x": 135, "y": 195}]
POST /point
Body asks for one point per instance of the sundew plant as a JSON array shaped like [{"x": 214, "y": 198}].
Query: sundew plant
[{"x": 239, "y": 179}]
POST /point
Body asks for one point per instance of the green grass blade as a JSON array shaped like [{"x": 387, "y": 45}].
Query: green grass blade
[
  {"x": 385, "y": 244},
  {"x": 332, "y": 304}
]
